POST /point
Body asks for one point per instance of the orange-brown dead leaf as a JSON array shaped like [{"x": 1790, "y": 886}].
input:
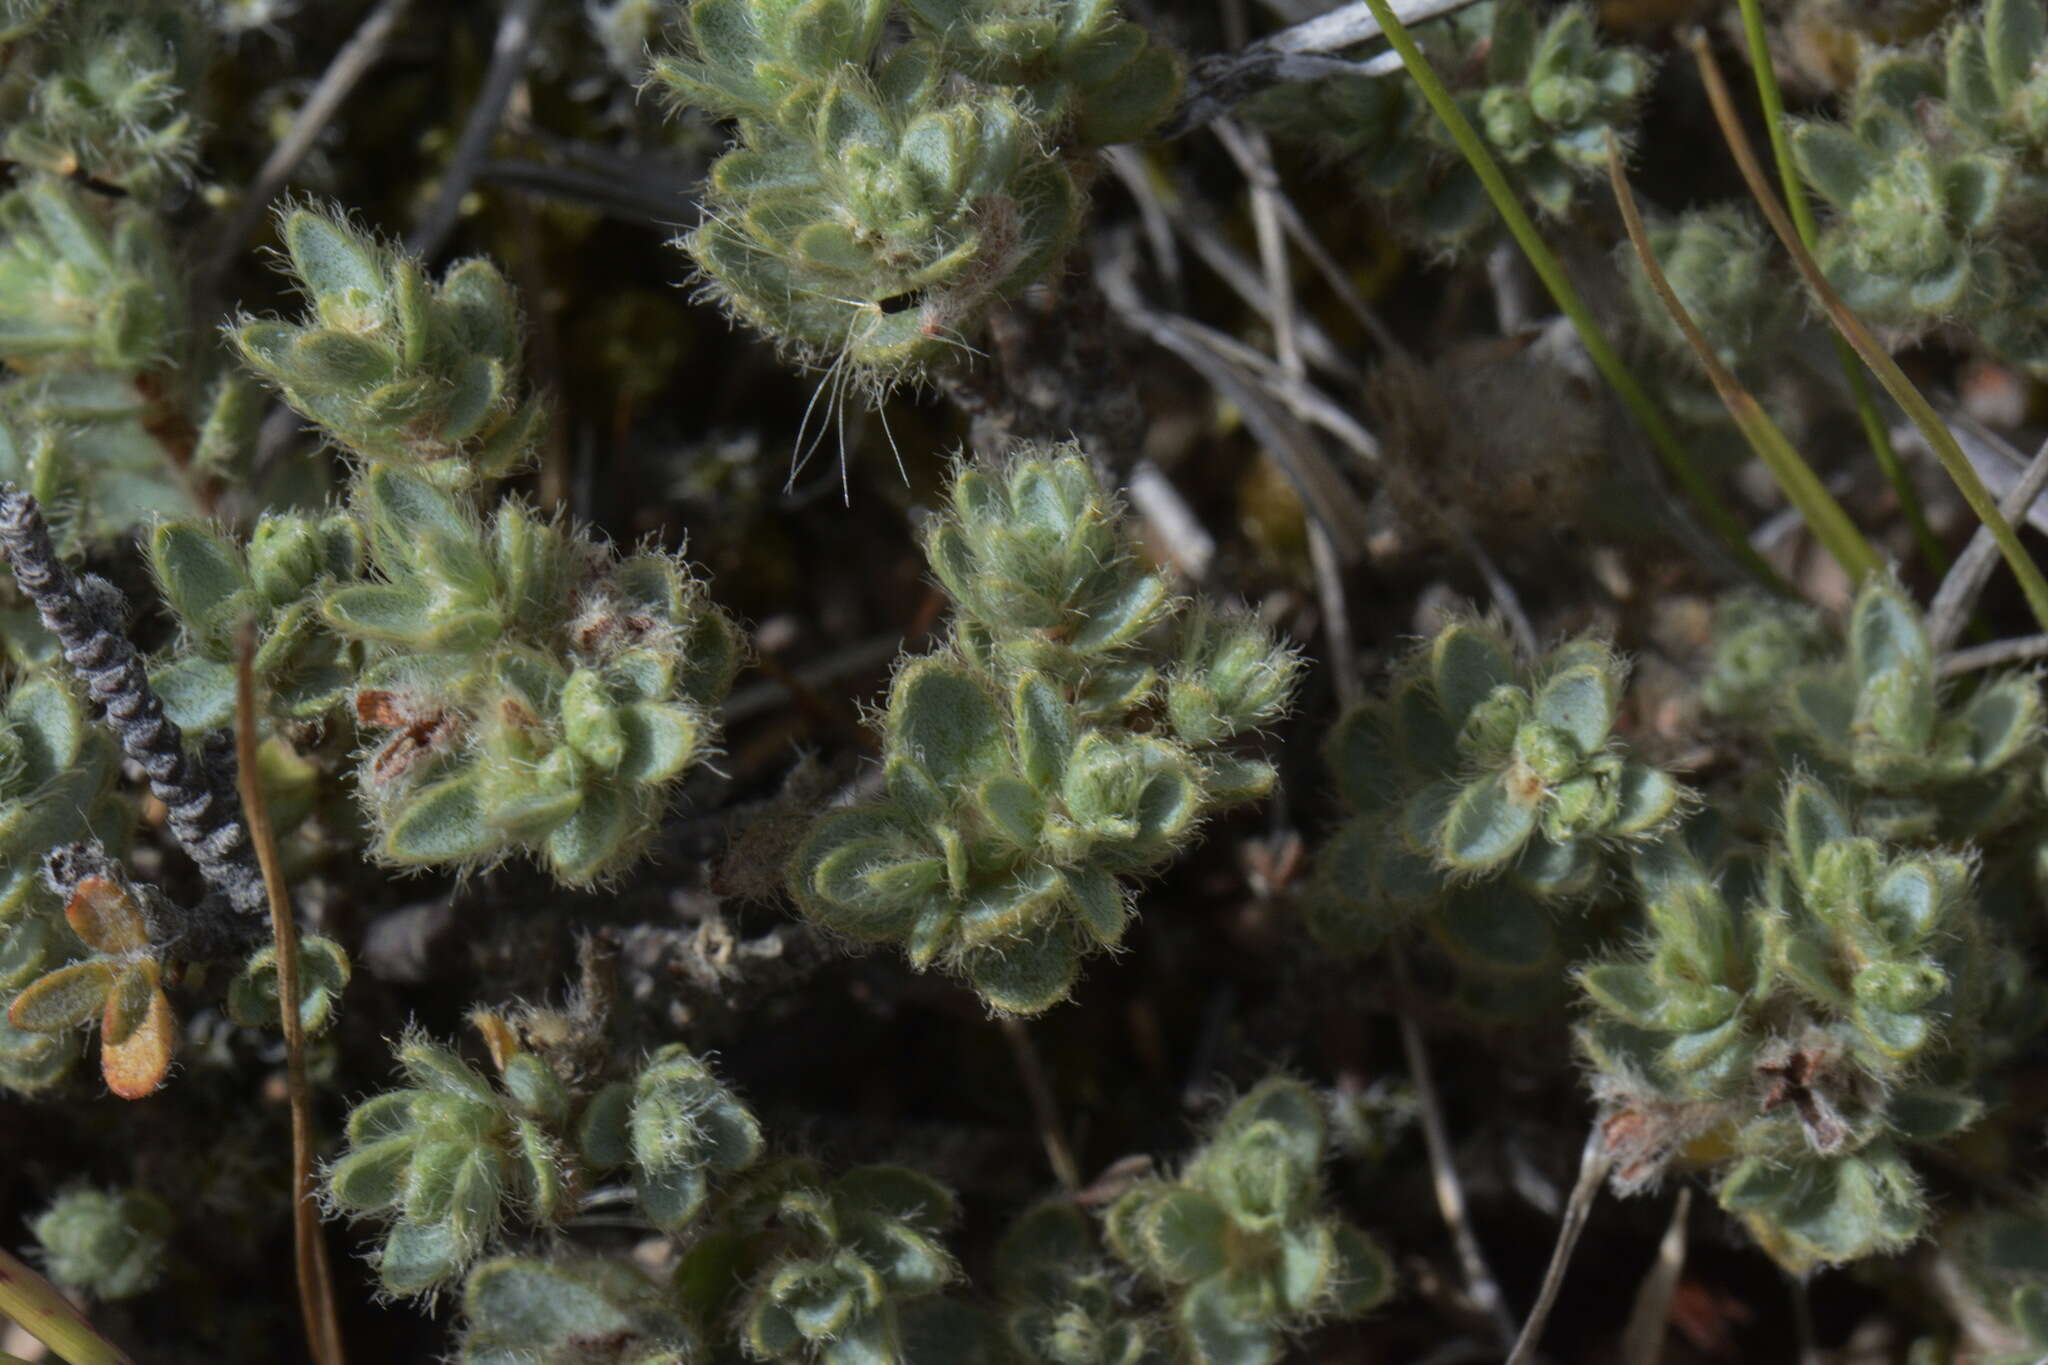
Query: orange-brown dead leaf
[
  {"x": 497, "y": 1035},
  {"x": 106, "y": 918},
  {"x": 128, "y": 1002},
  {"x": 138, "y": 1064}
]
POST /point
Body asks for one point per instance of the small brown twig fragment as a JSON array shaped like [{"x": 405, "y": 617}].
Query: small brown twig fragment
[{"x": 316, "y": 1280}]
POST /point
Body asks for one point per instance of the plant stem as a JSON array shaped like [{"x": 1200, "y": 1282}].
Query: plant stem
[
  {"x": 49, "y": 1317},
  {"x": 1551, "y": 271},
  {"x": 1794, "y": 475},
  {"x": 316, "y": 1280},
  {"x": 1594, "y": 1162},
  {"x": 1480, "y": 1284},
  {"x": 1045, "y": 1107},
  {"x": 1874, "y": 429},
  {"x": 1887, "y": 370}
]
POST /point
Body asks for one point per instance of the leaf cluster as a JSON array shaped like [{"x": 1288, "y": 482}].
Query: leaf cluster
[
  {"x": 1484, "y": 789},
  {"x": 57, "y": 774},
  {"x": 1543, "y": 90},
  {"x": 452, "y": 1158},
  {"x": 1806, "y": 1018},
  {"x": 1241, "y": 1241},
  {"x": 1048, "y": 750},
  {"x": 881, "y": 194},
  {"x": 1935, "y": 174}
]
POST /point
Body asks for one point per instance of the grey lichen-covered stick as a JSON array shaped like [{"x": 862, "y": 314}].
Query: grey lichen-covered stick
[{"x": 84, "y": 612}]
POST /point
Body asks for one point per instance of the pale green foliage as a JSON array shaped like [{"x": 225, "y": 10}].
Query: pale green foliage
[
  {"x": 1812, "y": 1015},
  {"x": 324, "y": 973},
  {"x": 57, "y": 774},
  {"x": 1020, "y": 783},
  {"x": 1483, "y": 787},
  {"x": 630, "y": 30},
  {"x": 538, "y": 692},
  {"x": 522, "y": 1309},
  {"x": 1241, "y": 1241},
  {"x": 1729, "y": 275},
  {"x": 1935, "y": 175},
  {"x": 1870, "y": 716},
  {"x": 1910, "y": 241},
  {"x": 678, "y": 1127},
  {"x": 1759, "y": 642},
  {"x": 1080, "y": 67},
  {"x": 212, "y": 586},
  {"x": 815, "y": 1270},
  {"x": 82, "y": 284},
  {"x": 1064, "y": 1303},
  {"x": 91, "y": 318},
  {"x": 1995, "y": 85},
  {"x": 19, "y": 18},
  {"x": 535, "y": 691},
  {"x": 881, "y": 195},
  {"x": 108, "y": 1244},
  {"x": 1543, "y": 91},
  {"x": 100, "y": 90},
  {"x": 93, "y": 312},
  {"x": 450, "y": 1158},
  {"x": 394, "y": 369}
]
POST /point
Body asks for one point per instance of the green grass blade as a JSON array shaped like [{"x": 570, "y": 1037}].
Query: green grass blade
[
  {"x": 1823, "y": 514},
  {"x": 1670, "y": 449},
  {"x": 1802, "y": 218},
  {"x": 1887, "y": 370}
]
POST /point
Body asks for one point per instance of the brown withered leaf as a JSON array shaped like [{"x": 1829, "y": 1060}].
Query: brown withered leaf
[
  {"x": 106, "y": 918},
  {"x": 137, "y": 1065}
]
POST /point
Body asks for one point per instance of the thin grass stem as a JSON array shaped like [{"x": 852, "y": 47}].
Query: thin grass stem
[
  {"x": 1677, "y": 460},
  {"x": 1922, "y": 413},
  {"x": 1874, "y": 429}
]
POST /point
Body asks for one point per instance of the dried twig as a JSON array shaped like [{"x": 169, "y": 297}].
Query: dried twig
[
  {"x": 1342, "y": 653},
  {"x": 1254, "y": 157},
  {"x": 352, "y": 61},
  {"x": 1642, "y": 1342},
  {"x": 1802, "y": 1320},
  {"x": 1257, "y": 165},
  {"x": 1218, "y": 83},
  {"x": 1194, "y": 222},
  {"x": 1959, "y": 589},
  {"x": 1594, "y": 1162},
  {"x": 309, "y": 1249},
  {"x": 1264, "y": 400},
  {"x": 1514, "y": 303},
  {"x": 1503, "y": 592},
  {"x": 1992, "y": 655},
  {"x": 1219, "y": 351},
  {"x": 644, "y": 200},
  {"x": 1480, "y": 1285},
  {"x": 508, "y": 62},
  {"x": 1183, "y": 538},
  {"x": 1137, "y": 174},
  {"x": 86, "y": 614}
]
